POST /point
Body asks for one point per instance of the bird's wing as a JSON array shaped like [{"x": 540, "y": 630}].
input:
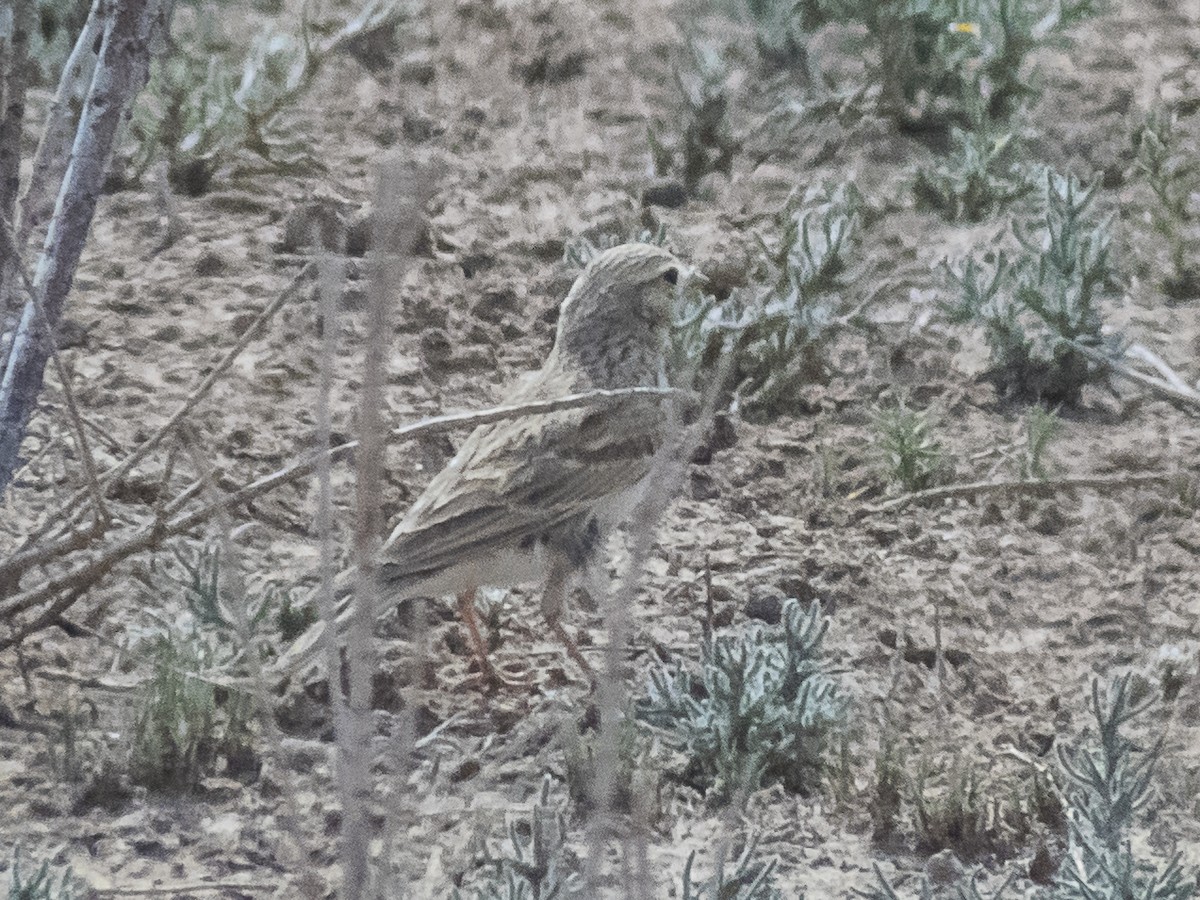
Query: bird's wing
[{"x": 517, "y": 479}]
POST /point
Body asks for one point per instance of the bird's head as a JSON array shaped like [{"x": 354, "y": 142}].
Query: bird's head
[{"x": 631, "y": 285}]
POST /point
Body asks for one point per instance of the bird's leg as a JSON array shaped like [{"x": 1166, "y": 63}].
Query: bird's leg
[
  {"x": 466, "y": 611},
  {"x": 552, "y": 605}
]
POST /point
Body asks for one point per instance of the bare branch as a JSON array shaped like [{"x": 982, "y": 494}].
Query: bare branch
[
  {"x": 89, "y": 573},
  {"x": 120, "y": 73},
  {"x": 180, "y": 415},
  {"x": 54, "y": 149},
  {"x": 1014, "y": 486},
  {"x": 10, "y": 250}
]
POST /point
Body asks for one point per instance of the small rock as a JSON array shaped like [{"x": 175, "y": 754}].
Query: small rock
[
  {"x": 669, "y": 193},
  {"x": 496, "y": 302},
  {"x": 436, "y": 348},
  {"x": 209, "y": 264},
  {"x": 765, "y": 604},
  {"x": 944, "y": 869},
  {"x": 70, "y": 334}
]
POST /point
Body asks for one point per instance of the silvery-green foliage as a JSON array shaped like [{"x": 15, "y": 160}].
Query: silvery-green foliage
[
  {"x": 1109, "y": 778},
  {"x": 536, "y": 866},
  {"x": 750, "y": 878},
  {"x": 908, "y": 452},
  {"x": 782, "y": 334},
  {"x": 41, "y": 884},
  {"x": 977, "y": 178},
  {"x": 1041, "y": 313},
  {"x": 762, "y": 707}
]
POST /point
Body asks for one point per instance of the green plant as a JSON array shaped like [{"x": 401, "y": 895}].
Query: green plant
[
  {"x": 704, "y": 141},
  {"x": 184, "y": 724},
  {"x": 975, "y": 180},
  {"x": 1040, "y": 428},
  {"x": 1109, "y": 778},
  {"x": 909, "y": 455},
  {"x": 202, "y": 107},
  {"x": 781, "y": 336},
  {"x": 763, "y": 707},
  {"x": 580, "y": 250},
  {"x": 955, "y": 817},
  {"x": 1041, "y": 315},
  {"x": 966, "y": 889},
  {"x": 781, "y": 28},
  {"x": 751, "y": 879},
  {"x": 536, "y": 867},
  {"x": 40, "y": 885},
  {"x": 1171, "y": 175},
  {"x": 956, "y": 63},
  {"x": 887, "y": 791},
  {"x": 186, "y": 117},
  {"x": 635, "y": 781},
  {"x": 58, "y": 25},
  {"x": 176, "y": 738}
]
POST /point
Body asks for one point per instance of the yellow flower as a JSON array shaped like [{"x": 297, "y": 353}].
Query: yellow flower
[{"x": 965, "y": 28}]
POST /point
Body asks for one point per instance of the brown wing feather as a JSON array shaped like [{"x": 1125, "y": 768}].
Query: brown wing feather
[{"x": 515, "y": 480}]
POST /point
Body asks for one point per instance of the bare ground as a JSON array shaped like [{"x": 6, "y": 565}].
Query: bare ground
[{"x": 1027, "y": 599}]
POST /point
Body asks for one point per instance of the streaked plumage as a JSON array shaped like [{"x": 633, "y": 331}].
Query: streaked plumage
[{"x": 534, "y": 498}]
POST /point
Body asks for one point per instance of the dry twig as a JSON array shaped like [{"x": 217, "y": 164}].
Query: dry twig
[
  {"x": 173, "y": 523},
  {"x": 1013, "y": 486}
]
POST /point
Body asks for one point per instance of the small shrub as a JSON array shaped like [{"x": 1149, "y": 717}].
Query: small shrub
[
  {"x": 1041, "y": 315},
  {"x": 977, "y": 179},
  {"x": 203, "y": 109},
  {"x": 955, "y": 818},
  {"x": 1109, "y": 779},
  {"x": 41, "y": 885},
  {"x": 910, "y": 457},
  {"x": 966, "y": 889},
  {"x": 1039, "y": 430},
  {"x": 957, "y": 63},
  {"x": 781, "y": 337},
  {"x": 782, "y": 29},
  {"x": 58, "y": 23},
  {"x": 1171, "y": 175},
  {"x": 184, "y": 724},
  {"x": 751, "y": 879},
  {"x": 636, "y": 782},
  {"x": 762, "y": 708},
  {"x": 177, "y": 736},
  {"x": 886, "y": 794},
  {"x": 703, "y": 141},
  {"x": 537, "y": 865}
]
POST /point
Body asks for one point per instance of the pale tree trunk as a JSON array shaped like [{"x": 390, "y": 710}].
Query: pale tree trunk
[
  {"x": 16, "y": 22},
  {"x": 121, "y": 71}
]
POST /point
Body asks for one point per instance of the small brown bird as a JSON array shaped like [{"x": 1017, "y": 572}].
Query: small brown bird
[{"x": 535, "y": 498}]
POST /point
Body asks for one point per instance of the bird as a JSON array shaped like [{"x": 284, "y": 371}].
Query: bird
[{"x": 535, "y": 498}]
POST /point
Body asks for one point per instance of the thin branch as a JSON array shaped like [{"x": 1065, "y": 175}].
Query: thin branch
[
  {"x": 1014, "y": 486},
  {"x": 54, "y": 149},
  {"x": 1171, "y": 391},
  {"x": 191, "y": 887},
  {"x": 198, "y": 393},
  {"x": 1146, "y": 355},
  {"x": 89, "y": 573},
  {"x": 13, "y": 253},
  {"x": 120, "y": 74}
]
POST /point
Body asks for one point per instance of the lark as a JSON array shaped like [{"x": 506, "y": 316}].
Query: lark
[{"x": 534, "y": 499}]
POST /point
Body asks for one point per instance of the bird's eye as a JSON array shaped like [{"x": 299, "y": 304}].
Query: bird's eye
[{"x": 671, "y": 276}]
